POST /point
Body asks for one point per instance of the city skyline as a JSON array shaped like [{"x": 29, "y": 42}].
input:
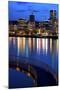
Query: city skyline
[
  {"x": 23, "y": 10},
  {"x": 33, "y": 44}
]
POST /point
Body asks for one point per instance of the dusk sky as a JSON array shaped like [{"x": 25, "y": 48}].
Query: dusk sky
[{"x": 19, "y": 10}]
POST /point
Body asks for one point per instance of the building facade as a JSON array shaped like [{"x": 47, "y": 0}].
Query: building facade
[
  {"x": 22, "y": 24},
  {"x": 31, "y": 23}
]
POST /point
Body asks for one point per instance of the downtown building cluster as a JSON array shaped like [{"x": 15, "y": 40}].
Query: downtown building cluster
[{"x": 32, "y": 27}]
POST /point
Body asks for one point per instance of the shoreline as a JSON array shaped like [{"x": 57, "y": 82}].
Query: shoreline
[{"x": 27, "y": 36}]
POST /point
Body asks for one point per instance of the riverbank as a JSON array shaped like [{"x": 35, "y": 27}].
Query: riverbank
[{"x": 33, "y": 36}]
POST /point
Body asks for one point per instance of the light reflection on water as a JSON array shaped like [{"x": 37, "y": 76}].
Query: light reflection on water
[{"x": 38, "y": 49}]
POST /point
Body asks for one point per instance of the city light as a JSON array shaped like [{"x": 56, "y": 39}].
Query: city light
[{"x": 32, "y": 28}]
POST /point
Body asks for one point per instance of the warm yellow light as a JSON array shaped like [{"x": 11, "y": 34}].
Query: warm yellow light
[
  {"x": 17, "y": 68},
  {"x": 18, "y": 44},
  {"x": 46, "y": 46},
  {"x": 38, "y": 45},
  {"x": 23, "y": 43},
  {"x": 51, "y": 45},
  {"x": 28, "y": 74},
  {"x": 29, "y": 42},
  {"x": 43, "y": 44}
]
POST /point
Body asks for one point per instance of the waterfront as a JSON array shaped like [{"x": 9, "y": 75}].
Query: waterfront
[
  {"x": 33, "y": 44},
  {"x": 40, "y": 53}
]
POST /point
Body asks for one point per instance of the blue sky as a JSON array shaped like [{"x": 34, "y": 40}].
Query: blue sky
[{"x": 18, "y": 10}]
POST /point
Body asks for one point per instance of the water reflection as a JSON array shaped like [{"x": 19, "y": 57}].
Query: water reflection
[
  {"x": 26, "y": 45},
  {"x": 25, "y": 68},
  {"x": 50, "y": 45},
  {"x": 42, "y": 49}
]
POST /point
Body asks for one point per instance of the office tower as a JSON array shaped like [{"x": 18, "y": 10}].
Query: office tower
[
  {"x": 31, "y": 23},
  {"x": 32, "y": 18},
  {"x": 53, "y": 15},
  {"x": 52, "y": 19}
]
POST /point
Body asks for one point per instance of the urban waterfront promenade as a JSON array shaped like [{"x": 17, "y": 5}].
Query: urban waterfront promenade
[{"x": 33, "y": 36}]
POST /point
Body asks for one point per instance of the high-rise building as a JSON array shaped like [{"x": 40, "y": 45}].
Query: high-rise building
[
  {"x": 55, "y": 14},
  {"x": 32, "y": 18},
  {"x": 52, "y": 19},
  {"x": 52, "y": 14},
  {"x": 31, "y": 23}
]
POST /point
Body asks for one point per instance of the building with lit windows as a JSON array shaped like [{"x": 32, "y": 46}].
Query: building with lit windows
[
  {"x": 31, "y": 23},
  {"x": 53, "y": 15},
  {"x": 53, "y": 20},
  {"x": 22, "y": 24}
]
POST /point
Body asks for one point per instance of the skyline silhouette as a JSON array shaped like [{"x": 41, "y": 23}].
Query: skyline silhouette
[{"x": 24, "y": 9}]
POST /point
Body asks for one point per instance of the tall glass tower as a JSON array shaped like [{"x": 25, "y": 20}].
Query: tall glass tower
[{"x": 32, "y": 18}]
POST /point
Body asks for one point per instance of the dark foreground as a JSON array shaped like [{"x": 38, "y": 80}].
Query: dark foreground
[
  {"x": 25, "y": 75},
  {"x": 33, "y": 36}
]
